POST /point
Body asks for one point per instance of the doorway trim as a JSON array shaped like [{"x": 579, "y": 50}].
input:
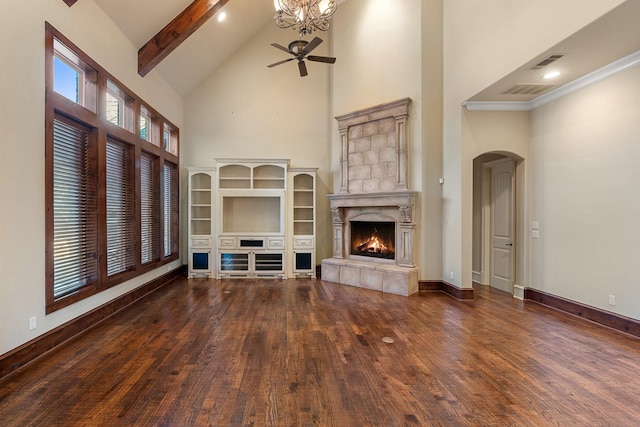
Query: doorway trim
[{"x": 519, "y": 263}]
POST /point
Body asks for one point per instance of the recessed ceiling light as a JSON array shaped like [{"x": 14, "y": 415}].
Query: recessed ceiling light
[
  {"x": 222, "y": 16},
  {"x": 551, "y": 75}
]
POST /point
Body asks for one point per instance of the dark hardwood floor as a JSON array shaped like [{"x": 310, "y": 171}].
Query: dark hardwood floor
[{"x": 305, "y": 352}]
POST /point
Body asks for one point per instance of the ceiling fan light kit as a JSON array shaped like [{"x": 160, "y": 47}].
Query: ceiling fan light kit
[{"x": 304, "y": 16}]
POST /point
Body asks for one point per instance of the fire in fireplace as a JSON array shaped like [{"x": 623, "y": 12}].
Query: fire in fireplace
[{"x": 373, "y": 239}]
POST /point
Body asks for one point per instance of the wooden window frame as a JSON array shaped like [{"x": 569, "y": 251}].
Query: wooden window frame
[
  {"x": 101, "y": 130},
  {"x": 170, "y": 207},
  {"x": 122, "y": 210}
]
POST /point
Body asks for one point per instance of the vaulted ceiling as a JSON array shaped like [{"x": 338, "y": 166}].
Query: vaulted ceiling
[
  {"x": 203, "y": 51},
  {"x": 198, "y": 56}
]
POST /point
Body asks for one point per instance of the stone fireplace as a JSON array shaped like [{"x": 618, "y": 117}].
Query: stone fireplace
[{"x": 373, "y": 228}]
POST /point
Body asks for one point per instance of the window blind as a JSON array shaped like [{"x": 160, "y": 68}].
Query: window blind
[
  {"x": 75, "y": 228},
  {"x": 170, "y": 201},
  {"x": 149, "y": 208},
  {"x": 121, "y": 230}
]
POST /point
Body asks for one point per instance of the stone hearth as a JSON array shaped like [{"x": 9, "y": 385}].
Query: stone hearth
[{"x": 373, "y": 187}]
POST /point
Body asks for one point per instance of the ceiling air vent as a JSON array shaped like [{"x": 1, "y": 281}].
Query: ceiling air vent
[
  {"x": 548, "y": 60},
  {"x": 527, "y": 89}
]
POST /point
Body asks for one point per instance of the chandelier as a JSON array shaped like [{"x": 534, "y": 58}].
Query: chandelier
[{"x": 304, "y": 16}]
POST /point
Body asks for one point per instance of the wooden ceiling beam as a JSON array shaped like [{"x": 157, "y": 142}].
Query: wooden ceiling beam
[
  {"x": 177, "y": 31},
  {"x": 70, "y": 2}
]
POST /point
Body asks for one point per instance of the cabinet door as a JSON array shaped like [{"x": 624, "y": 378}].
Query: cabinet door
[
  {"x": 272, "y": 262},
  {"x": 303, "y": 262},
  {"x": 234, "y": 262},
  {"x": 200, "y": 263}
]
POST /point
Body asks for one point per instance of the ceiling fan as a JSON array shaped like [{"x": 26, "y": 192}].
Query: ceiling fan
[{"x": 300, "y": 49}]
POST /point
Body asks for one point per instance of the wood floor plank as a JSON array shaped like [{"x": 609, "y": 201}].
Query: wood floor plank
[{"x": 310, "y": 353}]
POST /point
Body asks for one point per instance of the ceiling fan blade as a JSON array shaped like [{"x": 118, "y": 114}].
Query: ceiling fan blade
[
  {"x": 327, "y": 59},
  {"x": 280, "y": 62},
  {"x": 311, "y": 45},
  {"x": 279, "y": 46},
  {"x": 303, "y": 68}
]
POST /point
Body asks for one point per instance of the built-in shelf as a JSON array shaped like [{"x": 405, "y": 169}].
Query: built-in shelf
[
  {"x": 303, "y": 221},
  {"x": 200, "y": 221}
]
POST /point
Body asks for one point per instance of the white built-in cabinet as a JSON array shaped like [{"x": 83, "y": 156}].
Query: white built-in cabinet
[
  {"x": 302, "y": 222},
  {"x": 252, "y": 211},
  {"x": 201, "y": 221},
  {"x": 252, "y": 218}
]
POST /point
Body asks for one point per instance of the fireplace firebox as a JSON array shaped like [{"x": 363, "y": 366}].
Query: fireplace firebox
[{"x": 374, "y": 239}]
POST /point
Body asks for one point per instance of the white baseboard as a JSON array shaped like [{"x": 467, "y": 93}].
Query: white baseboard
[
  {"x": 518, "y": 292},
  {"x": 476, "y": 276}
]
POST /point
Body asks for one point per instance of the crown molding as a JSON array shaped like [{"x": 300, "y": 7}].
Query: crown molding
[
  {"x": 497, "y": 105},
  {"x": 609, "y": 70}
]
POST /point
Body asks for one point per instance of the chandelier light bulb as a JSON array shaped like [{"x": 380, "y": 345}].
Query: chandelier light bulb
[
  {"x": 323, "y": 6},
  {"x": 304, "y": 16}
]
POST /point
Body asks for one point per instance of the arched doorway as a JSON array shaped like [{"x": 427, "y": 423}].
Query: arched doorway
[{"x": 497, "y": 221}]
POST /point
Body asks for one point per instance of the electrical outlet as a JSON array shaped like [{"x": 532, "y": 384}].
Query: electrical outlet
[
  {"x": 612, "y": 300},
  {"x": 32, "y": 323},
  {"x": 451, "y": 275}
]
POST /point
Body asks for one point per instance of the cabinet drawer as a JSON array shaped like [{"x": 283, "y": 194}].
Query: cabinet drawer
[
  {"x": 200, "y": 242},
  {"x": 303, "y": 243},
  {"x": 277, "y": 243},
  {"x": 227, "y": 243}
]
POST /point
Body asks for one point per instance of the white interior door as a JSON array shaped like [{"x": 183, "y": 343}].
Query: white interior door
[{"x": 502, "y": 224}]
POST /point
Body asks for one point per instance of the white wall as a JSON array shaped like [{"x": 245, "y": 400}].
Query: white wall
[
  {"x": 22, "y": 180},
  {"x": 431, "y": 162},
  {"x": 586, "y": 156},
  {"x": 484, "y": 41},
  {"x": 246, "y": 110},
  {"x": 487, "y": 133},
  {"x": 378, "y": 46}
]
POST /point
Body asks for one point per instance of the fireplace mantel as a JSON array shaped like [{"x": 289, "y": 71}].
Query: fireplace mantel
[
  {"x": 392, "y": 198},
  {"x": 399, "y": 278}
]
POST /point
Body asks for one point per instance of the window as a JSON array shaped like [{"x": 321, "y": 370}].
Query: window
[
  {"x": 166, "y": 139},
  {"x": 119, "y": 108},
  {"x": 145, "y": 127},
  {"x": 73, "y": 78},
  {"x": 149, "y": 126},
  {"x": 170, "y": 139},
  {"x": 112, "y": 186},
  {"x": 170, "y": 203},
  {"x": 75, "y": 234},
  {"x": 150, "y": 208},
  {"x": 120, "y": 208},
  {"x": 68, "y": 80}
]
